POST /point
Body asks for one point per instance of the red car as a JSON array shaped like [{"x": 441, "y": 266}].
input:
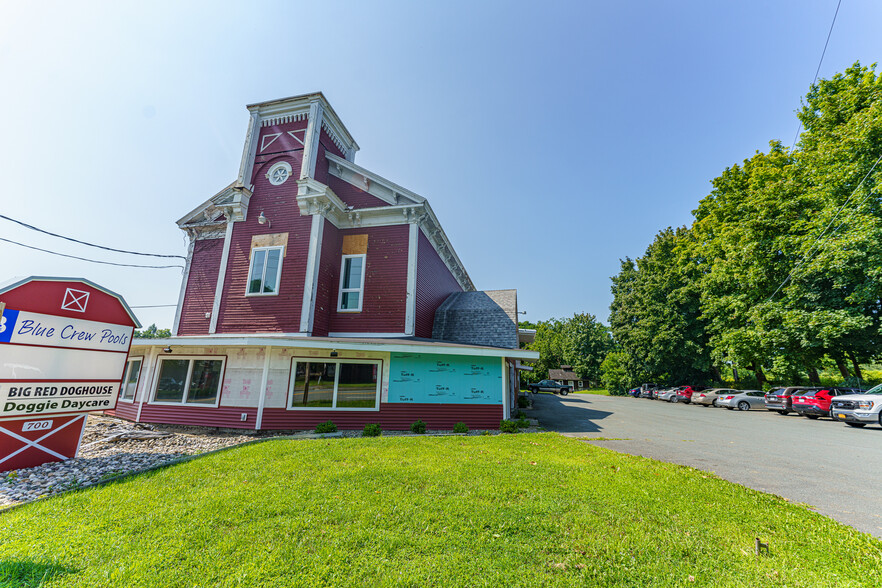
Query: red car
[
  {"x": 684, "y": 393},
  {"x": 816, "y": 403}
]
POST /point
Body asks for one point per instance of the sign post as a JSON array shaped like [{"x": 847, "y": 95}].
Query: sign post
[{"x": 63, "y": 349}]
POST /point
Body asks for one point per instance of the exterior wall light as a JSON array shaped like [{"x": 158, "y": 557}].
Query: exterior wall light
[
  {"x": 262, "y": 220},
  {"x": 167, "y": 349}
]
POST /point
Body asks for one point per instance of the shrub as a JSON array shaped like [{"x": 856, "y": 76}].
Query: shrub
[
  {"x": 326, "y": 427},
  {"x": 508, "y": 427},
  {"x": 523, "y": 423},
  {"x": 523, "y": 402},
  {"x": 460, "y": 427},
  {"x": 418, "y": 427},
  {"x": 371, "y": 430}
]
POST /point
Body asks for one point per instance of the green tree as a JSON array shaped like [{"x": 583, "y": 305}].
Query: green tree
[{"x": 152, "y": 332}]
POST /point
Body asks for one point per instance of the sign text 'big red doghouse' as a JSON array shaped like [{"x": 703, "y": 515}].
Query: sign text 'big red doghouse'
[{"x": 63, "y": 348}]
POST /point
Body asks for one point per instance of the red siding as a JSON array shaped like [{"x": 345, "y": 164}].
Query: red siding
[
  {"x": 279, "y": 313},
  {"x": 201, "y": 285},
  {"x": 329, "y": 144},
  {"x": 124, "y": 410},
  {"x": 223, "y": 416},
  {"x": 354, "y": 196},
  {"x": 385, "y": 284},
  {"x": 284, "y": 142},
  {"x": 391, "y": 416},
  {"x": 328, "y": 279},
  {"x": 434, "y": 284}
]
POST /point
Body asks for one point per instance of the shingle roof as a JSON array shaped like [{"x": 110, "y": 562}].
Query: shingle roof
[
  {"x": 479, "y": 318},
  {"x": 563, "y": 375}
]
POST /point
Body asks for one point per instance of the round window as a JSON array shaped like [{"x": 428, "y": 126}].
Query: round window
[{"x": 279, "y": 173}]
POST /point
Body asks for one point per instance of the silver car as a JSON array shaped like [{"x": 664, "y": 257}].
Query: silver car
[
  {"x": 669, "y": 395},
  {"x": 710, "y": 397},
  {"x": 743, "y": 400}
]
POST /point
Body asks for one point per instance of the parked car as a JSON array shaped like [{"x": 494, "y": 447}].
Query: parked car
[
  {"x": 744, "y": 400},
  {"x": 857, "y": 410},
  {"x": 669, "y": 395},
  {"x": 634, "y": 392},
  {"x": 780, "y": 400},
  {"x": 646, "y": 390},
  {"x": 710, "y": 396},
  {"x": 551, "y": 386},
  {"x": 685, "y": 392},
  {"x": 816, "y": 403}
]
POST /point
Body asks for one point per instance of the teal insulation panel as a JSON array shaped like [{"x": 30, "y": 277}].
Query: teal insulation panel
[{"x": 445, "y": 379}]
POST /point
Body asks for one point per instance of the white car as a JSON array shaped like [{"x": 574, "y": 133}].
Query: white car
[
  {"x": 669, "y": 395},
  {"x": 858, "y": 410}
]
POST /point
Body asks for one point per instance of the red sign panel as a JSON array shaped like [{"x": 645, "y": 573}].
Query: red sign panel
[{"x": 31, "y": 442}]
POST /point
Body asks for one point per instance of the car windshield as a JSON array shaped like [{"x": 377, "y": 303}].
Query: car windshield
[
  {"x": 777, "y": 391},
  {"x": 875, "y": 390}
]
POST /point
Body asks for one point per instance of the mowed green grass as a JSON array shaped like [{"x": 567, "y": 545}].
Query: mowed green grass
[{"x": 514, "y": 510}]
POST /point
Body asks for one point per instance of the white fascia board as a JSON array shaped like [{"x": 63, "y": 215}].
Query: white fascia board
[
  {"x": 368, "y": 181},
  {"x": 233, "y": 199},
  {"x": 273, "y": 111},
  {"x": 310, "y": 343}
]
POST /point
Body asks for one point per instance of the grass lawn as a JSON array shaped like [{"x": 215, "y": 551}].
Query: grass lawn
[
  {"x": 514, "y": 510},
  {"x": 598, "y": 391}
]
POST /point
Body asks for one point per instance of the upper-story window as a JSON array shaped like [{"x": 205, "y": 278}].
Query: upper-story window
[
  {"x": 265, "y": 271},
  {"x": 351, "y": 283},
  {"x": 279, "y": 173}
]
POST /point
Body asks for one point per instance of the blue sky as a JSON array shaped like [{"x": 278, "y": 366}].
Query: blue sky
[{"x": 552, "y": 139}]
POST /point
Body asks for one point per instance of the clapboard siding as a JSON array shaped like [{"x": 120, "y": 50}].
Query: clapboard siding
[
  {"x": 328, "y": 279},
  {"x": 124, "y": 410},
  {"x": 391, "y": 416},
  {"x": 353, "y": 196},
  {"x": 201, "y": 284},
  {"x": 222, "y": 416},
  {"x": 434, "y": 284},
  {"x": 385, "y": 284},
  {"x": 280, "y": 313}
]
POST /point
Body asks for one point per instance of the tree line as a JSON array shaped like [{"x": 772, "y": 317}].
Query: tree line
[{"x": 778, "y": 276}]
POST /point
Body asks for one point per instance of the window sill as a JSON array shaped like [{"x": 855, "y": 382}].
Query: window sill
[
  {"x": 195, "y": 404},
  {"x": 314, "y": 408},
  {"x": 258, "y": 294},
  {"x": 349, "y": 310}
]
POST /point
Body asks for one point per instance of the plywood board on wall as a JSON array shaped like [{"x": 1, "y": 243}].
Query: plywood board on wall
[
  {"x": 355, "y": 244},
  {"x": 271, "y": 240}
]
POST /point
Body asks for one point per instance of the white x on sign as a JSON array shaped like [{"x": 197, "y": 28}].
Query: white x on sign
[
  {"x": 36, "y": 443},
  {"x": 75, "y": 300}
]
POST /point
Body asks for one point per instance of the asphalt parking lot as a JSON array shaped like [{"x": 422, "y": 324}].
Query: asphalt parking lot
[{"x": 827, "y": 465}]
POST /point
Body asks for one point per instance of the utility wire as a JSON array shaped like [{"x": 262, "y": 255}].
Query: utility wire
[
  {"x": 819, "y": 240},
  {"x": 91, "y": 260},
  {"x": 817, "y": 71},
  {"x": 155, "y": 306},
  {"x": 33, "y": 228}
]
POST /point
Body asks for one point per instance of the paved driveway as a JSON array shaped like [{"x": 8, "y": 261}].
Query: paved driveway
[{"x": 830, "y": 466}]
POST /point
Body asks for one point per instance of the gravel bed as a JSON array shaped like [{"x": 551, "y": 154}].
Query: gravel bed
[{"x": 98, "y": 460}]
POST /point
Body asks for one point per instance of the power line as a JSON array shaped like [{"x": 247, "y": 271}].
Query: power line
[
  {"x": 33, "y": 228},
  {"x": 155, "y": 306},
  {"x": 819, "y": 240},
  {"x": 818, "y": 71},
  {"x": 91, "y": 260}
]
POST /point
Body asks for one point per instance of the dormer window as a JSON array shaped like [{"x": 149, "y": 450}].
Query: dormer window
[
  {"x": 351, "y": 283},
  {"x": 265, "y": 271},
  {"x": 279, "y": 173}
]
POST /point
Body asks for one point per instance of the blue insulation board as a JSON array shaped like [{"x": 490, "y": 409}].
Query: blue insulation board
[{"x": 445, "y": 379}]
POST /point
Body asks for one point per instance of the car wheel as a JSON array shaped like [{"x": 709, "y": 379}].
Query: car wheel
[
  {"x": 564, "y": 391},
  {"x": 743, "y": 405},
  {"x": 783, "y": 412},
  {"x": 858, "y": 425},
  {"x": 674, "y": 399}
]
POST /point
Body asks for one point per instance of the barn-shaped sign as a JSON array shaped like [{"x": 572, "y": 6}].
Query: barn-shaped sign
[{"x": 63, "y": 349}]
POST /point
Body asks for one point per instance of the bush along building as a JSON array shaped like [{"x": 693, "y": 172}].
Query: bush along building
[{"x": 317, "y": 290}]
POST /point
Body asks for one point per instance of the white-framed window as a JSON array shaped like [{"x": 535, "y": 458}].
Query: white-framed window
[
  {"x": 345, "y": 384},
  {"x": 279, "y": 173},
  {"x": 189, "y": 380},
  {"x": 130, "y": 379},
  {"x": 351, "y": 283},
  {"x": 265, "y": 271}
]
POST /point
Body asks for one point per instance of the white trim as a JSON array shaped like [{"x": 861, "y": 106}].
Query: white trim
[
  {"x": 413, "y": 238},
  {"x": 263, "y": 385},
  {"x": 124, "y": 382},
  {"x": 249, "y": 150},
  {"x": 82, "y": 432},
  {"x": 369, "y": 335},
  {"x": 370, "y": 182},
  {"x": 311, "y": 140},
  {"x": 274, "y": 167},
  {"x": 281, "y": 250},
  {"x": 184, "y": 281},
  {"x": 221, "y": 275},
  {"x": 310, "y": 282},
  {"x": 505, "y": 408},
  {"x": 272, "y": 137},
  {"x": 294, "y": 360},
  {"x": 186, "y": 392},
  {"x": 148, "y": 382},
  {"x": 360, "y": 288}
]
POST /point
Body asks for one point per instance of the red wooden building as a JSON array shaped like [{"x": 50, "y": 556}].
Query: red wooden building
[{"x": 316, "y": 289}]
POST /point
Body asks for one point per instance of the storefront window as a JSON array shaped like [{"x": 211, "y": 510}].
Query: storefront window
[
  {"x": 189, "y": 381},
  {"x": 335, "y": 384}
]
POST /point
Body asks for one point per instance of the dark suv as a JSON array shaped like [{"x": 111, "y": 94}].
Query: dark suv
[{"x": 781, "y": 399}]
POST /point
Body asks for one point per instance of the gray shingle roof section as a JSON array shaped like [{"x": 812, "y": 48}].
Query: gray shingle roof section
[{"x": 479, "y": 318}]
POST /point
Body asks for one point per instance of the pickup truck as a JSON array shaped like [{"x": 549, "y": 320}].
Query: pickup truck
[
  {"x": 858, "y": 410},
  {"x": 551, "y": 386}
]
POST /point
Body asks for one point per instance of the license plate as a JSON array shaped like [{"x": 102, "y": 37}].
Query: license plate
[{"x": 842, "y": 416}]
